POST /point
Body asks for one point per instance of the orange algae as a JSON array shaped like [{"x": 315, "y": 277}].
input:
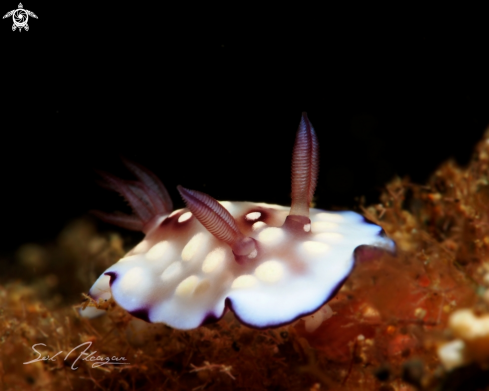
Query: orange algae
[{"x": 389, "y": 318}]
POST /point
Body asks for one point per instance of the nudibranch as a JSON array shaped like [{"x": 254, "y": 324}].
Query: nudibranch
[{"x": 268, "y": 264}]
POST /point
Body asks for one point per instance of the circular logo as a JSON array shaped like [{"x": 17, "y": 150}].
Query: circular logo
[{"x": 20, "y": 17}]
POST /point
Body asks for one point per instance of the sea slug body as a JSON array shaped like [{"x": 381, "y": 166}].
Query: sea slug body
[{"x": 269, "y": 264}]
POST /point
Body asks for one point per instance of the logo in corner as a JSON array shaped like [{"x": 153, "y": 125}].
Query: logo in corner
[{"x": 20, "y": 16}]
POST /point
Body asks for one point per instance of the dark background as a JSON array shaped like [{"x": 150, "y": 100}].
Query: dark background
[{"x": 210, "y": 98}]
